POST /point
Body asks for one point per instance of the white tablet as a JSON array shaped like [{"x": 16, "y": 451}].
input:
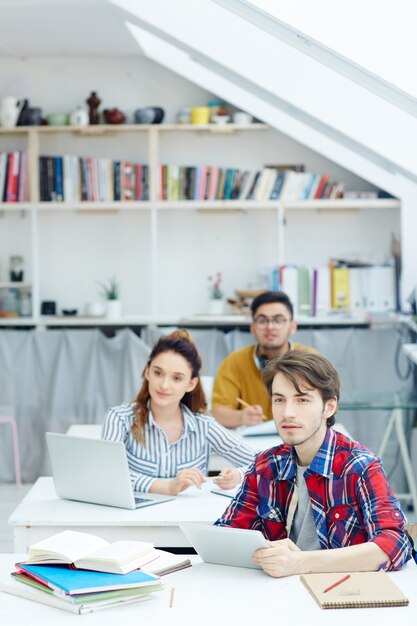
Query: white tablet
[{"x": 224, "y": 545}]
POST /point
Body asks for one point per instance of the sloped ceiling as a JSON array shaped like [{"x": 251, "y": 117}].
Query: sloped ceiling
[
  {"x": 263, "y": 72},
  {"x": 249, "y": 58}
]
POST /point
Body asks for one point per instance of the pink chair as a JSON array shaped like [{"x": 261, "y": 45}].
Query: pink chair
[{"x": 15, "y": 438}]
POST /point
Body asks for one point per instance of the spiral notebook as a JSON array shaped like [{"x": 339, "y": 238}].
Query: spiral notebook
[{"x": 361, "y": 590}]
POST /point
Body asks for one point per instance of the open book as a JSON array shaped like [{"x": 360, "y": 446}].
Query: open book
[{"x": 87, "y": 551}]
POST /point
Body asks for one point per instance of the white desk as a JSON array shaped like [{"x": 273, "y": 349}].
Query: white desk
[
  {"x": 213, "y": 594},
  {"x": 42, "y": 513}
]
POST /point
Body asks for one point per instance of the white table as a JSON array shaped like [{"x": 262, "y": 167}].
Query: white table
[
  {"x": 42, "y": 513},
  {"x": 213, "y": 594}
]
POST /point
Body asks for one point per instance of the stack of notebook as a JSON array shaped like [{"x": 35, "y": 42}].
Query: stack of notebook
[
  {"x": 80, "y": 591},
  {"x": 80, "y": 572}
]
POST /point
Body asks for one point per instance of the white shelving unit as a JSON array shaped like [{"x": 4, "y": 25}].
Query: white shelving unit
[{"x": 32, "y": 138}]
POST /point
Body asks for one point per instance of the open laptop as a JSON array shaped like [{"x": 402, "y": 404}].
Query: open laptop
[
  {"x": 96, "y": 471},
  {"x": 224, "y": 545}
]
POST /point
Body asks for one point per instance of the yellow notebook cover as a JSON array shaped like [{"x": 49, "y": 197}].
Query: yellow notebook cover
[{"x": 361, "y": 590}]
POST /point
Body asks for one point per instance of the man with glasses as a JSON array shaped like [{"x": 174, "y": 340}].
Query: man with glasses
[{"x": 239, "y": 377}]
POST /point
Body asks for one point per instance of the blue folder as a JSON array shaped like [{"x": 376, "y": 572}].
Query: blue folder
[{"x": 74, "y": 581}]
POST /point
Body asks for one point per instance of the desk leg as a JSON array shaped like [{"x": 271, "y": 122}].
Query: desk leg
[
  {"x": 396, "y": 419},
  {"x": 387, "y": 434},
  {"x": 408, "y": 468},
  {"x": 22, "y": 539}
]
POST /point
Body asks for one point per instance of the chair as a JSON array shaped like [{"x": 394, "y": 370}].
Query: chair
[{"x": 15, "y": 440}]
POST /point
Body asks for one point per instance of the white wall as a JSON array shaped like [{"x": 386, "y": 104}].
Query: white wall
[{"x": 77, "y": 250}]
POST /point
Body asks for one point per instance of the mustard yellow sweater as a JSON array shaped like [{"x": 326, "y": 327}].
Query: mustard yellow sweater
[{"x": 239, "y": 377}]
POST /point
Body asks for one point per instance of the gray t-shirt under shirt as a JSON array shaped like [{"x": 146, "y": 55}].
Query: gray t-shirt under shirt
[{"x": 303, "y": 530}]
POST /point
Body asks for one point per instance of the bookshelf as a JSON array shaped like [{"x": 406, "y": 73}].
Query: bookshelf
[{"x": 149, "y": 142}]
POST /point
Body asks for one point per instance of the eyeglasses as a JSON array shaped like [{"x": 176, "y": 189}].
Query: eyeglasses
[{"x": 278, "y": 321}]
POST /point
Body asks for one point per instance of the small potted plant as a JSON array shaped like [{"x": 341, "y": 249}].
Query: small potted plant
[
  {"x": 216, "y": 294},
  {"x": 110, "y": 291}
]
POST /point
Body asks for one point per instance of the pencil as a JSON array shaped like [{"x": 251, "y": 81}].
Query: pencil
[
  {"x": 246, "y": 405},
  {"x": 171, "y": 598},
  {"x": 335, "y": 584},
  {"x": 214, "y": 477}
]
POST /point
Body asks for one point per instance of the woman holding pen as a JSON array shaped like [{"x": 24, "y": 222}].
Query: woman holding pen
[{"x": 167, "y": 437}]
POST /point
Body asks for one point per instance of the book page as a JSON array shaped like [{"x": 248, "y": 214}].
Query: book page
[
  {"x": 67, "y": 546},
  {"x": 120, "y": 552},
  {"x": 166, "y": 562}
]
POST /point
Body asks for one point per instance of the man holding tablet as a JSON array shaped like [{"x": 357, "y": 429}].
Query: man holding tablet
[{"x": 319, "y": 490}]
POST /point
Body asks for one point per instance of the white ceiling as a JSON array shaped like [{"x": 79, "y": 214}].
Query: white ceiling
[{"x": 63, "y": 28}]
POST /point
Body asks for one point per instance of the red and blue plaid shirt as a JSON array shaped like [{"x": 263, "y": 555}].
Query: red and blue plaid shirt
[{"x": 350, "y": 496}]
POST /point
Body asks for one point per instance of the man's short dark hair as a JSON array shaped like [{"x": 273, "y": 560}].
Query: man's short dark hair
[
  {"x": 272, "y": 296},
  {"x": 303, "y": 368}
]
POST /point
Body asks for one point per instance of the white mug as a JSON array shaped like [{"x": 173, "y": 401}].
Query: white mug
[
  {"x": 95, "y": 309},
  {"x": 240, "y": 117},
  {"x": 10, "y": 108}
]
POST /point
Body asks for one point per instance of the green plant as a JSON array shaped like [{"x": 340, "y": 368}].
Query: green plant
[
  {"x": 215, "y": 281},
  {"x": 110, "y": 290}
]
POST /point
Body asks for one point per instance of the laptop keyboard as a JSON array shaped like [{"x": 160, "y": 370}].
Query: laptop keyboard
[{"x": 139, "y": 500}]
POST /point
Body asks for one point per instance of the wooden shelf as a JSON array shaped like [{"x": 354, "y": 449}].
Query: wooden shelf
[
  {"x": 14, "y": 285},
  {"x": 302, "y": 205},
  {"x": 343, "y": 203},
  {"x": 105, "y": 129}
]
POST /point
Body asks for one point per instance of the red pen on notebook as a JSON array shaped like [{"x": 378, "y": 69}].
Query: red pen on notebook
[{"x": 338, "y": 582}]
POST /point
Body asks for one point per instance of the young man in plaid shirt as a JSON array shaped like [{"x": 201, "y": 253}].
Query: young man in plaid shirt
[{"x": 319, "y": 490}]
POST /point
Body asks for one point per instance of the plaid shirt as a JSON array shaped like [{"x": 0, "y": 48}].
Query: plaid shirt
[{"x": 351, "y": 499}]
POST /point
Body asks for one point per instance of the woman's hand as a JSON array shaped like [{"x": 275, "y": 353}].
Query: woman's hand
[
  {"x": 228, "y": 478},
  {"x": 184, "y": 479}
]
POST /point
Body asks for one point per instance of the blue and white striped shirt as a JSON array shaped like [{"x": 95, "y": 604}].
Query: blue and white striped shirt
[{"x": 157, "y": 458}]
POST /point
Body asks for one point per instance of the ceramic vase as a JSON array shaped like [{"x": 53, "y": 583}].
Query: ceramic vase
[
  {"x": 79, "y": 117},
  {"x": 114, "y": 309},
  {"x": 216, "y": 306}
]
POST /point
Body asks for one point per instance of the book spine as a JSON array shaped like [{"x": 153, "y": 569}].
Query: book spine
[
  {"x": 9, "y": 179},
  {"x": 59, "y": 181},
  {"x": 22, "y": 194},
  {"x": 138, "y": 182},
  {"x": 50, "y": 178},
  {"x": 145, "y": 182},
  {"x": 3, "y": 175},
  {"x": 117, "y": 188}
]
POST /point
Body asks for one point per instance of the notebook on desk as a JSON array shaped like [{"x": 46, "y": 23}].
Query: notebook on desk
[
  {"x": 358, "y": 590},
  {"x": 95, "y": 471}
]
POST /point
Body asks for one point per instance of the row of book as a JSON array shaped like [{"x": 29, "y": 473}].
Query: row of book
[
  {"x": 81, "y": 573},
  {"x": 70, "y": 178},
  {"x": 322, "y": 290},
  {"x": 14, "y": 176},
  {"x": 216, "y": 183}
]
